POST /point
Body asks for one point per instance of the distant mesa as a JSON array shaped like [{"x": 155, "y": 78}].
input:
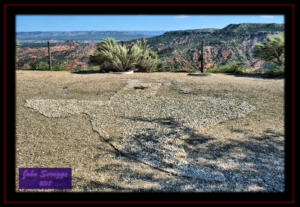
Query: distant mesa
[
  {"x": 179, "y": 49},
  {"x": 235, "y": 42},
  {"x": 70, "y": 42}
]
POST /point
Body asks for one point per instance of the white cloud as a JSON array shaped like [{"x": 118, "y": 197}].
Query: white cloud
[
  {"x": 181, "y": 16},
  {"x": 267, "y": 16}
]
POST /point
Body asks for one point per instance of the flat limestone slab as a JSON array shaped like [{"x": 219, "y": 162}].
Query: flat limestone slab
[
  {"x": 149, "y": 128},
  {"x": 62, "y": 107}
]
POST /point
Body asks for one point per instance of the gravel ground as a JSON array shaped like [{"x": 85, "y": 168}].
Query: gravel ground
[{"x": 153, "y": 132}]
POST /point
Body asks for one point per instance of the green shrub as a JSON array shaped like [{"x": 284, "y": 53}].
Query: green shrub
[
  {"x": 272, "y": 49},
  {"x": 54, "y": 67},
  {"x": 163, "y": 66},
  {"x": 146, "y": 59},
  {"x": 34, "y": 65},
  {"x": 274, "y": 70},
  {"x": 233, "y": 67},
  {"x": 58, "y": 67},
  {"x": 111, "y": 56},
  {"x": 194, "y": 70},
  {"x": 43, "y": 68}
]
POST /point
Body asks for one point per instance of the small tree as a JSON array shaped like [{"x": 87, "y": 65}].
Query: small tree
[{"x": 271, "y": 50}]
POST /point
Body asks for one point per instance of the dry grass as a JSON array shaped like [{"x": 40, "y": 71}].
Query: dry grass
[{"x": 248, "y": 151}]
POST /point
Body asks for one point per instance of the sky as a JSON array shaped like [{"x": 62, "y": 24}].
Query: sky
[{"x": 29, "y": 23}]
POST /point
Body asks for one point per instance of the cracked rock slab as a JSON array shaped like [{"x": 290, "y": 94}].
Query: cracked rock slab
[
  {"x": 62, "y": 107},
  {"x": 150, "y": 128}
]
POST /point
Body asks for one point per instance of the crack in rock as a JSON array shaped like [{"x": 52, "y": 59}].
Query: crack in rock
[
  {"x": 152, "y": 129},
  {"x": 62, "y": 107}
]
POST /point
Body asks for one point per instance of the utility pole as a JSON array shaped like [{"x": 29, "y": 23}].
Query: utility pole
[
  {"x": 202, "y": 57},
  {"x": 49, "y": 55}
]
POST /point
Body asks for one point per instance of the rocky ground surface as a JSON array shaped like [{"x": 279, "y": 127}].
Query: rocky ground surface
[{"x": 153, "y": 132}]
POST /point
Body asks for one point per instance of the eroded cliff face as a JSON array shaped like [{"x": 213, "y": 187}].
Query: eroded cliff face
[
  {"x": 69, "y": 55},
  {"x": 181, "y": 49}
]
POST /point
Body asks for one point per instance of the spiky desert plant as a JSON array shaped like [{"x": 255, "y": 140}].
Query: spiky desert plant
[
  {"x": 147, "y": 60},
  {"x": 111, "y": 56},
  {"x": 271, "y": 50}
]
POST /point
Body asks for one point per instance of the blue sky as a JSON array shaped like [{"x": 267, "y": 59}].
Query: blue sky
[{"x": 28, "y": 23}]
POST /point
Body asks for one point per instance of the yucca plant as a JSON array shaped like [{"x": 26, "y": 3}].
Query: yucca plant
[
  {"x": 272, "y": 49},
  {"x": 111, "y": 56},
  {"x": 147, "y": 60}
]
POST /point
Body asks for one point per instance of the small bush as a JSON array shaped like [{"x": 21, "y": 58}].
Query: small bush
[
  {"x": 220, "y": 69},
  {"x": 43, "y": 68},
  {"x": 34, "y": 65},
  {"x": 163, "y": 66},
  {"x": 146, "y": 59},
  {"x": 111, "y": 56},
  {"x": 275, "y": 71},
  {"x": 233, "y": 67},
  {"x": 238, "y": 67},
  {"x": 272, "y": 49},
  {"x": 58, "y": 68},
  {"x": 54, "y": 67}
]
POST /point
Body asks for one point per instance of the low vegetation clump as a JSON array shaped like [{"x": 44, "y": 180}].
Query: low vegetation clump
[
  {"x": 114, "y": 57},
  {"x": 272, "y": 51},
  {"x": 233, "y": 67},
  {"x": 275, "y": 71},
  {"x": 38, "y": 66}
]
